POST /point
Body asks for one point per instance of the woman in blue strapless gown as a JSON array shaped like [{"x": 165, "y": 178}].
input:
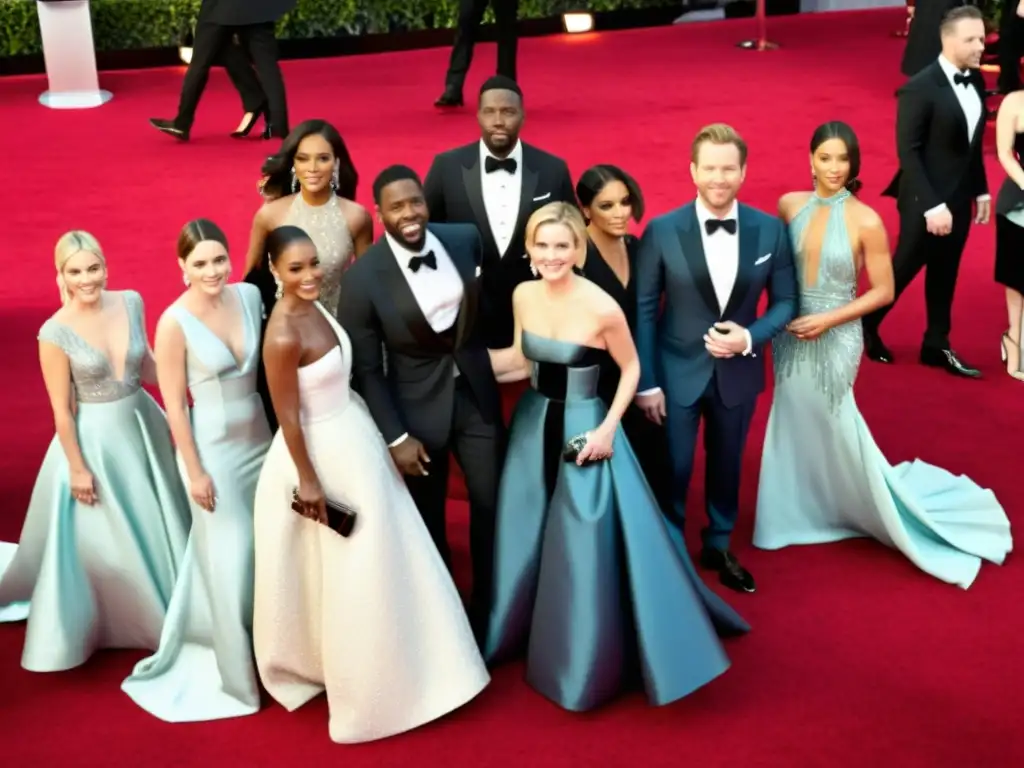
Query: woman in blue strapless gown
[
  {"x": 207, "y": 344},
  {"x": 586, "y": 575},
  {"x": 108, "y": 518},
  {"x": 823, "y": 478}
]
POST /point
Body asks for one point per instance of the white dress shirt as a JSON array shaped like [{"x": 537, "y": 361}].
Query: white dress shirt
[
  {"x": 722, "y": 253},
  {"x": 438, "y": 292},
  {"x": 970, "y": 104},
  {"x": 502, "y": 192}
]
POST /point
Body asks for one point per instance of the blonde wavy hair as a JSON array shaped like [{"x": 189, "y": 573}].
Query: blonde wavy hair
[
  {"x": 566, "y": 214},
  {"x": 69, "y": 244}
]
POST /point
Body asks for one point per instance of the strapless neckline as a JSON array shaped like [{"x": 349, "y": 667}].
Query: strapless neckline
[
  {"x": 565, "y": 342},
  {"x": 331, "y": 355}
]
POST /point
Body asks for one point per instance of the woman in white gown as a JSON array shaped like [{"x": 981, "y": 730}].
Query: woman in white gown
[{"x": 374, "y": 617}]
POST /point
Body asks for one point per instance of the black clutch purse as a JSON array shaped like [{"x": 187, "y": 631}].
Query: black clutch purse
[
  {"x": 340, "y": 518},
  {"x": 572, "y": 449}
]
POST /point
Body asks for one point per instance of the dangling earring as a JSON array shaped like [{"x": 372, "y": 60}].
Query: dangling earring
[
  {"x": 533, "y": 269},
  {"x": 65, "y": 297},
  {"x": 185, "y": 280},
  {"x": 336, "y": 178},
  {"x": 295, "y": 182},
  {"x": 280, "y": 288}
]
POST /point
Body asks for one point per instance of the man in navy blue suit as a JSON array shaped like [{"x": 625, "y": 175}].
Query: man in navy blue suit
[{"x": 700, "y": 357}]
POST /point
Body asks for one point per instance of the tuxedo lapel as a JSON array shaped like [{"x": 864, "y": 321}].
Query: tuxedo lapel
[
  {"x": 475, "y": 195},
  {"x": 693, "y": 252},
  {"x": 750, "y": 236},
  {"x": 951, "y": 102},
  {"x": 400, "y": 298},
  {"x": 470, "y": 288},
  {"x": 530, "y": 177}
]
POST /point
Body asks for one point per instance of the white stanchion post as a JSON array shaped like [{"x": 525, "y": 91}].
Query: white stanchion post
[{"x": 70, "y": 56}]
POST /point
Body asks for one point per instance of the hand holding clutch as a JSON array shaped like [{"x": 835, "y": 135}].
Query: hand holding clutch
[
  {"x": 589, "y": 447},
  {"x": 340, "y": 518}
]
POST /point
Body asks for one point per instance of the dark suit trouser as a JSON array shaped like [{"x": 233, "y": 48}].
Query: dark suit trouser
[
  {"x": 211, "y": 43},
  {"x": 1011, "y": 47},
  {"x": 917, "y": 249},
  {"x": 725, "y": 436},
  {"x": 236, "y": 63},
  {"x": 471, "y": 13},
  {"x": 478, "y": 447}
]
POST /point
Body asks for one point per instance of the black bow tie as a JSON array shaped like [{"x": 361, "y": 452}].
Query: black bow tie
[
  {"x": 492, "y": 164},
  {"x": 427, "y": 259},
  {"x": 713, "y": 225},
  {"x": 961, "y": 79}
]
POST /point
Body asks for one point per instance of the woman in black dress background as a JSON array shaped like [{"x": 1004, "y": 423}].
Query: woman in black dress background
[{"x": 609, "y": 197}]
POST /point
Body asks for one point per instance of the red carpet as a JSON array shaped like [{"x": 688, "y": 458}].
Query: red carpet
[{"x": 856, "y": 657}]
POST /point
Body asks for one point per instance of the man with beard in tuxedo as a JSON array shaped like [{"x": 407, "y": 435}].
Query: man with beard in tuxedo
[
  {"x": 252, "y": 21},
  {"x": 496, "y": 183},
  {"x": 410, "y": 307}
]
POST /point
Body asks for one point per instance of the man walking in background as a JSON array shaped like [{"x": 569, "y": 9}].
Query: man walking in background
[
  {"x": 471, "y": 14},
  {"x": 253, "y": 22}
]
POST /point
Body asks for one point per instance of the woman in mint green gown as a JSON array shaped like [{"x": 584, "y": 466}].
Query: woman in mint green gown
[
  {"x": 823, "y": 478},
  {"x": 108, "y": 519},
  {"x": 587, "y": 579},
  {"x": 207, "y": 344}
]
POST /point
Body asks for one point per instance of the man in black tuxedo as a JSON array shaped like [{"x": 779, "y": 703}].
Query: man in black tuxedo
[
  {"x": 940, "y": 184},
  {"x": 471, "y": 14},
  {"x": 252, "y": 21},
  {"x": 410, "y": 306},
  {"x": 497, "y": 183}
]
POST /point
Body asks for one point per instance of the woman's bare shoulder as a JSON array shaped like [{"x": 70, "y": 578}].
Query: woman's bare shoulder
[
  {"x": 863, "y": 214},
  {"x": 791, "y": 202}
]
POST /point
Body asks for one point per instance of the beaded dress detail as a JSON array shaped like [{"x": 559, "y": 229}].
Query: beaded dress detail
[
  {"x": 327, "y": 227},
  {"x": 101, "y": 576},
  {"x": 823, "y": 477}
]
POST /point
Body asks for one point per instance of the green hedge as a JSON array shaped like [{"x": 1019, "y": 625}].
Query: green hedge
[{"x": 120, "y": 25}]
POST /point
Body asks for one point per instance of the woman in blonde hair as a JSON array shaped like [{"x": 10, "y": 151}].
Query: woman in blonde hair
[
  {"x": 587, "y": 578},
  {"x": 108, "y": 518}
]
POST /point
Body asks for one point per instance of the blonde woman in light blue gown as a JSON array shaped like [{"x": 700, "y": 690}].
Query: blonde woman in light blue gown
[
  {"x": 108, "y": 518},
  {"x": 208, "y": 344}
]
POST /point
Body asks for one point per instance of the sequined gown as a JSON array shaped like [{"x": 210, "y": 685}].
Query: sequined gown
[
  {"x": 823, "y": 478},
  {"x": 587, "y": 579},
  {"x": 373, "y": 619},
  {"x": 204, "y": 668},
  {"x": 100, "y": 576},
  {"x": 327, "y": 227}
]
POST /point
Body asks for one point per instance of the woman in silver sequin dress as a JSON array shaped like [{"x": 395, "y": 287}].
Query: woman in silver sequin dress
[
  {"x": 823, "y": 478},
  {"x": 311, "y": 184}
]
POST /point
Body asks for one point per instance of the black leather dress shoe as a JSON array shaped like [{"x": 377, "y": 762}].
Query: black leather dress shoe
[
  {"x": 449, "y": 98},
  {"x": 730, "y": 572},
  {"x": 947, "y": 360},
  {"x": 875, "y": 350},
  {"x": 168, "y": 127}
]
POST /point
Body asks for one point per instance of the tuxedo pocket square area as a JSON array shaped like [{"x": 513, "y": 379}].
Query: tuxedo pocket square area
[
  {"x": 542, "y": 197},
  {"x": 763, "y": 259}
]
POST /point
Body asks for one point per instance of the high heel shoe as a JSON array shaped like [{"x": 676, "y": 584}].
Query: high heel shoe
[
  {"x": 246, "y": 129},
  {"x": 1004, "y": 352}
]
